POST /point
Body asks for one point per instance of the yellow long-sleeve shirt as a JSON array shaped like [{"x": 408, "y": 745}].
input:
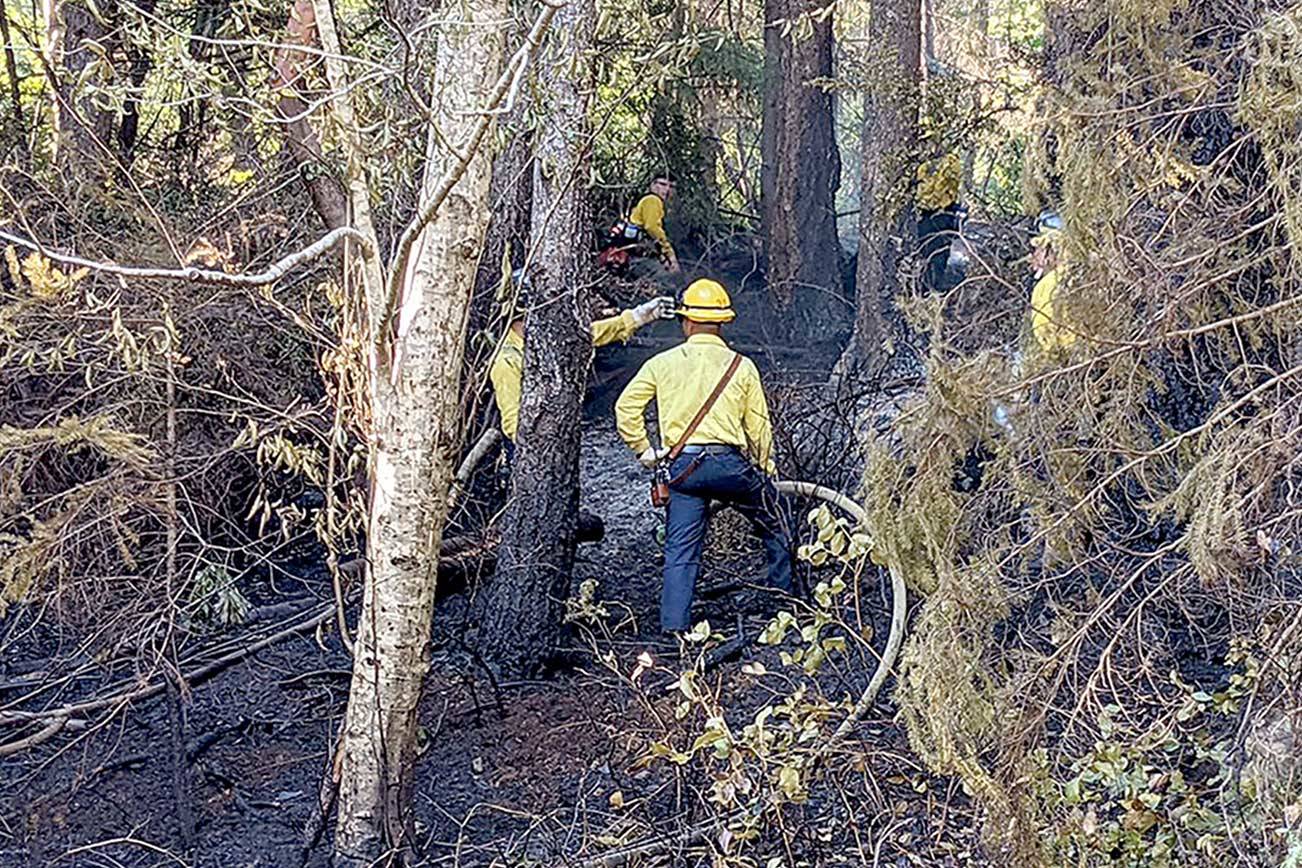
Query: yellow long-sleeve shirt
[
  {"x": 649, "y": 213},
  {"x": 938, "y": 182},
  {"x": 680, "y": 380},
  {"x": 507, "y": 370},
  {"x": 1046, "y": 325}
]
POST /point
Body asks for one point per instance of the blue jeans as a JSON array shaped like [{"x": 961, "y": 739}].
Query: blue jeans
[{"x": 731, "y": 478}]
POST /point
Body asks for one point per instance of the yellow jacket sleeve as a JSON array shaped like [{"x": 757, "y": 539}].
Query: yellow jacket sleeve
[
  {"x": 630, "y": 420},
  {"x": 612, "y": 329},
  {"x": 650, "y": 215},
  {"x": 1046, "y": 327},
  {"x": 755, "y": 420},
  {"x": 506, "y": 377}
]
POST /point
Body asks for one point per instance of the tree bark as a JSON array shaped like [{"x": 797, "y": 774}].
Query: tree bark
[
  {"x": 304, "y": 145},
  {"x": 140, "y": 63},
  {"x": 82, "y": 130},
  {"x": 11, "y": 71},
  {"x": 522, "y": 607},
  {"x": 887, "y": 218},
  {"x": 800, "y": 172},
  {"x": 511, "y": 194},
  {"x": 417, "y": 413},
  {"x": 929, "y": 31}
]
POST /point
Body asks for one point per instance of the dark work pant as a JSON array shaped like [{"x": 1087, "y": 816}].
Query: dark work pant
[
  {"x": 936, "y": 232},
  {"x": 728, "y": 477}
]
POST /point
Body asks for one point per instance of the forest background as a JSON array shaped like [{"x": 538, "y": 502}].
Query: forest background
[{"x": 256, "y": 263}]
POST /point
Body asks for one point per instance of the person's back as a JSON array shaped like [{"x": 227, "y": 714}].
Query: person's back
[
  {"x": 727, "y": 456},
  {"x": 1051, "y": 333},
  {"x": 683, "y": 378}
]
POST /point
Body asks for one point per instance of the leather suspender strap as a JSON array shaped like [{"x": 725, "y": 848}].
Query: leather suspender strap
[{"x": 705, "y": 409}]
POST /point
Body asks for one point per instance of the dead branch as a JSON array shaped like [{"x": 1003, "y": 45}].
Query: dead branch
[
  {"x": 153, "y": 689},
  {"x": 200, "y": 275}
]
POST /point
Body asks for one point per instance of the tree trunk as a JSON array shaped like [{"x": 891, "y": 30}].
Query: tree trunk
[
  {"x": 801, "y": 170},
  {"x": 511, "y": 195},
  {"x": 887, "y": 218},
  {"x": 712, "y": 131},
  {"x": 140, "y": 63},
  {"x": 417, "y": 413},
  {"x": 304, "y": 146},
  {"x": 929, "y": 31},
  {"x": 11, "y": 72},
  {"x": 522, "y": 608},
  {"x": 82, "y": 130},
  {"x": 982, "y": 14}
]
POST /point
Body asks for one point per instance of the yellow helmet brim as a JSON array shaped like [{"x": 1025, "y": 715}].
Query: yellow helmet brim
[{"x": 707, "y": 314}]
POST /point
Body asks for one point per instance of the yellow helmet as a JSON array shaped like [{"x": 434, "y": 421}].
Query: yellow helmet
[{"x": 706, "y": 301}]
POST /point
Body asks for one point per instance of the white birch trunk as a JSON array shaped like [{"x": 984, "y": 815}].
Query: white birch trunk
[{"x": 416, "y": 396}]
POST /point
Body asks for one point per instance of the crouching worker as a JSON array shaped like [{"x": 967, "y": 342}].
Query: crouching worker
[
  {"x": 507, "y": 371},
  {"x": 643, "y": 233},
  {"x": 714, "y": 422}
]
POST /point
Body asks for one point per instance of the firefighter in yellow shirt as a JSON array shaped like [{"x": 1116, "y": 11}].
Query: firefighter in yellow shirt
[
  {"x": 646, "y": 222},
  {"x": 1051, "y": 334},
  {"x": 729, "y": 457},
  {"x": 507, "y": 370},
  {"x": 940, "y": 216}
]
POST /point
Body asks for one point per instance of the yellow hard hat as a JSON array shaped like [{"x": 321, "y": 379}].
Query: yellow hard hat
[{"x": 706, "y": 300}]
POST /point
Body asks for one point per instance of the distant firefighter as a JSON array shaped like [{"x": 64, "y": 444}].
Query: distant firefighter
[
  {"x": 940, "y": 216},
  {"x": 643, "y": 232}
]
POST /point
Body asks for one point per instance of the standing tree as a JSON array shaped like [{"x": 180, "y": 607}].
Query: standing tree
[
  {"x": 523, "y": 604},
  {"x": 890, "y": 133},
  {"x": 801, "y": 167},
  {"x": 304, "y": 145},
  {"x": 77, "y": 38},
  {"x": 415, "y": 338}
]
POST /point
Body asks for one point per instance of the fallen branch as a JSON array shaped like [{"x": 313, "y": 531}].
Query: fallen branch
[
  {"x": 199, "y": 275},
  {"x": 148, "y": 691},
  {"x": 48, "y": 732}
]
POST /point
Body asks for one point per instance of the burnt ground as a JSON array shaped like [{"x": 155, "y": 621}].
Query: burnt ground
[{"x": 513, "y": 773}]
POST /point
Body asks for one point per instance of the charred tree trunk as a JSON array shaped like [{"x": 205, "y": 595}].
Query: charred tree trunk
[
  {"x": 887, "y": 218},
  {"x": 304, "y": 146},
  {"x": 140, "y": 62},
  {"x": 511, "y": 195},
  {"x": 801, "y": 169},
  {"x": 522, "y": 608}
]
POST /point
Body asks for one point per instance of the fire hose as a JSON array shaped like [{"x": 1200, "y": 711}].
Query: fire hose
[{"x": 899, "y": 596}]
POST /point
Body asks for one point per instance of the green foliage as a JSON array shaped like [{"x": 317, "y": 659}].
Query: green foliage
[
  {"x": 755, "y": 760},
  {"x": 215, "y": 599},
  {"x": 1138, "y": 491},
  {"x": 1169, "y": 795}
]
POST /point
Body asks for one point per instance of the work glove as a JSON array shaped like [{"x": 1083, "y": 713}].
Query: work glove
[
  {"x": 651, "y": 456},
  {"x": 656, "y": 308}
]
